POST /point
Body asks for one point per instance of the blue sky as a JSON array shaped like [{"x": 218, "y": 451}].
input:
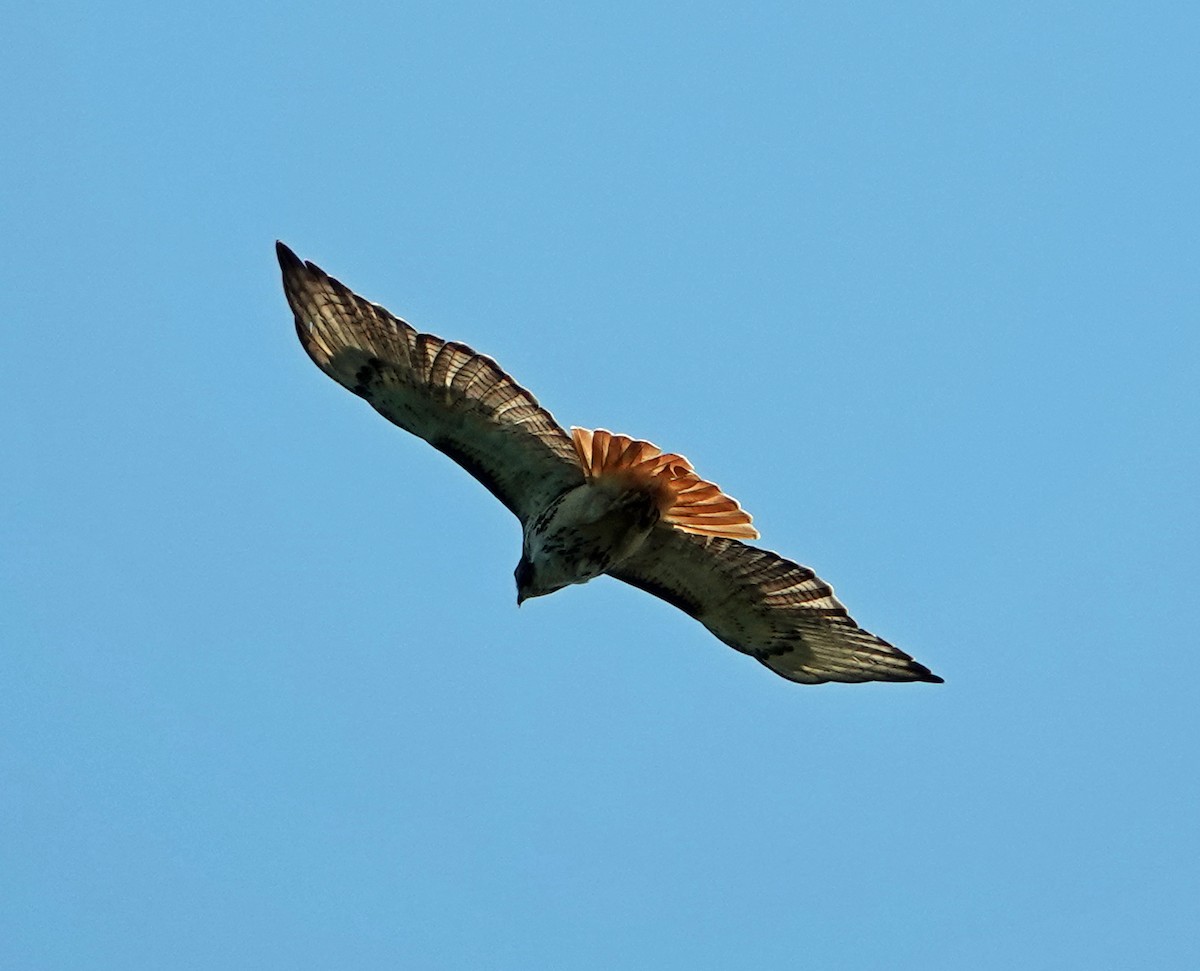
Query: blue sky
[{"x": 916, "y": 283}]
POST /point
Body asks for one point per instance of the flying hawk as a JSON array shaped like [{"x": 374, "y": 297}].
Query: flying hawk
[{"x": 590, "y": 502}]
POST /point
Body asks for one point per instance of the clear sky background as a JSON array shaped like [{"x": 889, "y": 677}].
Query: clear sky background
[{"x": 917, "y": 283}]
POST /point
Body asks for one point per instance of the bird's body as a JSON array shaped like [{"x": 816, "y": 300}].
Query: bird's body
[
  {"x": 585, "y": 532},
  {"x": 590, "y": 503}
]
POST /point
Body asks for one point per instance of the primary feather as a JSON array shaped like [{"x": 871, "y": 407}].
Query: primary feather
[{"x": 592, "y": 502}]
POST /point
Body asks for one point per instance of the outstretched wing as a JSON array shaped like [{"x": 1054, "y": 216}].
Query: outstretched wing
[
  {"x": 461, "y": 402},
  {"x": 758, "y": 603}
]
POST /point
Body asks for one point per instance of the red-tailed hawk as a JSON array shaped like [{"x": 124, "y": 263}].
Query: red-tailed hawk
[{"x": 590, "y": 502}]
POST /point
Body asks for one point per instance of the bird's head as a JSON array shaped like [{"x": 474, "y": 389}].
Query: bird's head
[{"x": 529, "y": 583}]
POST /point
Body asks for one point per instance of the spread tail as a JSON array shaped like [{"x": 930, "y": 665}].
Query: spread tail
[{"x": 685, "y": 500}]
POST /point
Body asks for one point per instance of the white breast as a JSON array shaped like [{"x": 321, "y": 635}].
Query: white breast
[{"x": 587, "y": 531}]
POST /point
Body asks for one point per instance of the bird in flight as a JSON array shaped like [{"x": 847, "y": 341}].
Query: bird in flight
[{"x": 589, "y": 502}]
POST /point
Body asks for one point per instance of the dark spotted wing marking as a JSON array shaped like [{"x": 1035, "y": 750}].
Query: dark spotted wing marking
[
  {"x": 777, "y": 611},
  {"x": 459, "y": 401}
]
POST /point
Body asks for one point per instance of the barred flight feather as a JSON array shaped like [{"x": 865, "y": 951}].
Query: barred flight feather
[
  {"x": 768, "y": 607},
  {"x": 460, "y": 401}
]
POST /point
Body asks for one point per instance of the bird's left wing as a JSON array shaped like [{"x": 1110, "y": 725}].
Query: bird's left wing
[
  {"x": 777, "y": 611},
  {"x": 459, "y": 401}
]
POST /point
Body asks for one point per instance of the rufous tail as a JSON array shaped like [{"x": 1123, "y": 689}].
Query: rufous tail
[{"x": 685, "y": 500}]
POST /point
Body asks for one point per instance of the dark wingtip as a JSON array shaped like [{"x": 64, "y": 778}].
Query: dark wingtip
[
  {"x": 930, "y": 678},
  {"x": 287, "y": 259}
]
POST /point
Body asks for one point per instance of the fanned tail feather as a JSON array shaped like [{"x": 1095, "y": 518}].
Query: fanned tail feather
[{"x": 685, "y": 500}]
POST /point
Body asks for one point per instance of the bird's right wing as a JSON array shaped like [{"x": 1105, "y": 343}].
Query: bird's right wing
[
  {"x": 758, "y": 603},
  {"x": 459, "y": 401}
]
